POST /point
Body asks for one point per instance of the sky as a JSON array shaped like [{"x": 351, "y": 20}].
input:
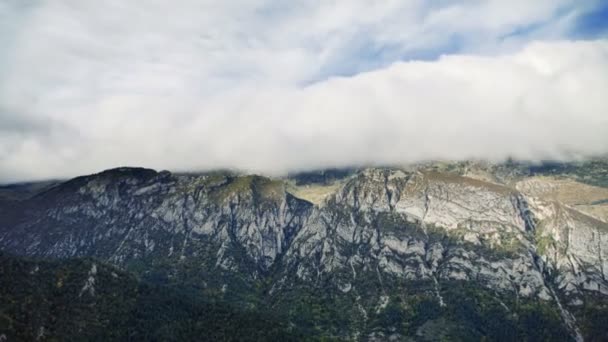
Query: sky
[{"x": 273, "y": 86}]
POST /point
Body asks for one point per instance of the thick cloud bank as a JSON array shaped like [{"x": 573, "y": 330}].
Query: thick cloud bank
[{"x": 78, "y": 96}]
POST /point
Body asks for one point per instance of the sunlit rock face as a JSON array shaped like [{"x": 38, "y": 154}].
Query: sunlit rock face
[{"x": 423, "y": 226}]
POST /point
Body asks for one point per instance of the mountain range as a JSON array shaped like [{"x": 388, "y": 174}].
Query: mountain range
[{"x": 427, "y": 252}]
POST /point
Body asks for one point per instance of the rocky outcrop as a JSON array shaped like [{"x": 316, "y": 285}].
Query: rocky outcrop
[
  {"x": 574, "y": 246},
  {"x": 127, "y": 214},
  {"x": 424, "y": 226}
]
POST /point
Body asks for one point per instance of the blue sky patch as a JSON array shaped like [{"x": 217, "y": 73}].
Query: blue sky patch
[{"x": 593, "y": 23}]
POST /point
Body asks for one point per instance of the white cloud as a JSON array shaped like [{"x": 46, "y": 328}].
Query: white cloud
[{"x": 89, "y": 85}]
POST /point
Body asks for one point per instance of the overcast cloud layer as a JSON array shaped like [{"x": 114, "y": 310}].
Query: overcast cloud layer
[{"x": 277, "y": 86}]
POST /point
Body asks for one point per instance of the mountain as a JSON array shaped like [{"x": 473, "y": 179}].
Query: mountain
[{"x": 458, "y": 251}]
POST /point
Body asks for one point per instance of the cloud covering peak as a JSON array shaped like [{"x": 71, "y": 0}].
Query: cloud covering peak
[{"x": 270, "y": 87}]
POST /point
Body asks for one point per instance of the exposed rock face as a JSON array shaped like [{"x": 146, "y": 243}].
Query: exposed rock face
[
  {"x": 574, "y": 245},
  {"x": 386, "y": 224},
  {"x": 424, "y": 226},
  {"x": 127, "y": 214}
]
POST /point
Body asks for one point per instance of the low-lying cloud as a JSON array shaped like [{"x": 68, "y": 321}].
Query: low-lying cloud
[{"x": 81, "y": 92}]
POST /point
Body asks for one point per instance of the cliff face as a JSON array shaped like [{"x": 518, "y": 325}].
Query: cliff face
[
  {"x": 381, "y": 231},
  {"x": 574, "y": 246},
  {"x": 129, "y": 214}
]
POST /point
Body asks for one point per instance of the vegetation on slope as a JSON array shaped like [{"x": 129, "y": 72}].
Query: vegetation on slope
[{"x": 58, "y": 301}]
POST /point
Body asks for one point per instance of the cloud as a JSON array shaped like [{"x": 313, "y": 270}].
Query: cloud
[{"x": 269, "y": 87}]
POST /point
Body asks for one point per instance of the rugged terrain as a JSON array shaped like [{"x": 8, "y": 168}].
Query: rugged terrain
[{"x": 459, "y": 251}]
